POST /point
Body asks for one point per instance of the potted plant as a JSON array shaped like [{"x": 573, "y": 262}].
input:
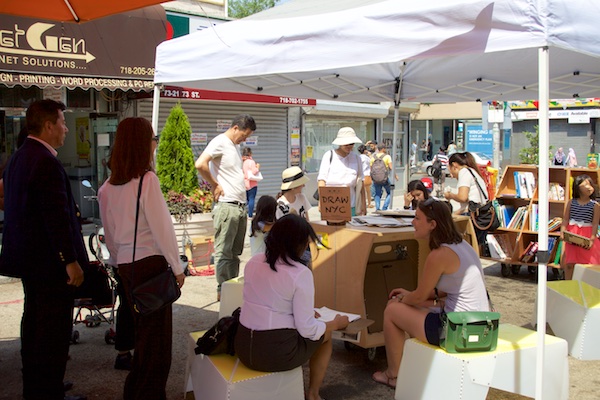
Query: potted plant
[{"x": 188, "y": 200}]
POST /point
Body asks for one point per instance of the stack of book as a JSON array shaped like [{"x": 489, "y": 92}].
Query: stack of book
[
  {"x": 524, "y": 184},
  {"x": 530, "y": 252},
  {"x": 554, "y": 224},
  {"x": 556, "y": 192},
  {"x": 516, "y": 222},
  {"x": 500, "y": 246}
]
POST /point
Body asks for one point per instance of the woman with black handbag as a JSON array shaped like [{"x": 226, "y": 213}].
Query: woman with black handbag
[
  {"x": 453, "y": 267},
  {"x": 138, "y": 228},
  {"x": 471, "y": 194}
]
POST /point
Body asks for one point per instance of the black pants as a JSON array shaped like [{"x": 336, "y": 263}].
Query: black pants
[
  {"x": 153, "y": 336},
  {"x": 45, "y": 335},
  {"x": 125, "y": 324}
]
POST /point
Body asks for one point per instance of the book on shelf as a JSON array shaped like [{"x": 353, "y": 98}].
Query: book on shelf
[
  {"x": 516, "y": 222},
  {"x": 524, "y": 184},
  {"x": 505, "y": 213},
  {"x": 556, "y": 192},
  {"x": 554, "y": 224},
  {"x": 500, "y": 245},
  {"x": 495, "y": 250},
  {"x": 533, "y": 218},
  {"x": 530, "y": 252},
  {"x": 558, "y": 252}
]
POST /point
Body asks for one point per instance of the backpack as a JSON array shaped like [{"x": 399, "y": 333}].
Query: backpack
[
  {"x": 436, "y": 168},
  {"x": 379, "y": 171}
]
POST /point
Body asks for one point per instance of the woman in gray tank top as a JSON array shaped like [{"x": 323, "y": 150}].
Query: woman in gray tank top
[{"x": 452, "y": 278}]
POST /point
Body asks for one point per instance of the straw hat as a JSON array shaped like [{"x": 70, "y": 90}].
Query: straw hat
[
  {"x": 346, "y": 135},
  {"x": 292, "y": 178}
]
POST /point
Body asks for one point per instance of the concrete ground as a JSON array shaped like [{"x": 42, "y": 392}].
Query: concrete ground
[{"x": 349, "y": 373}]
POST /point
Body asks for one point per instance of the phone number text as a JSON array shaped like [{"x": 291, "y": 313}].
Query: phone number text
[{"x": 146, "y": 71}]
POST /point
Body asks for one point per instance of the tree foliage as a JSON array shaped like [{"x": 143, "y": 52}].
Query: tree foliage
[
  {"x": 175, "y": 158},
  {"x": 531, "y": 154},
  {"x": 243, "y": 8}
]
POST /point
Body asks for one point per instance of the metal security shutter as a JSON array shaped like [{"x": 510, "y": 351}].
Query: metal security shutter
[{"x": 271, "y": 150}]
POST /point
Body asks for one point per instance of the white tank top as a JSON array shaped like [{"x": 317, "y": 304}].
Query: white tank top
[{"x": 466, "y": 287}]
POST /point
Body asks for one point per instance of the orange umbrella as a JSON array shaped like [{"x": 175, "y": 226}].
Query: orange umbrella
[{"x": 71, "y": 10}]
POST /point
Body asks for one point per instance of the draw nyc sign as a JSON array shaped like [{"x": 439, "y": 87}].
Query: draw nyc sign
[{"x": 115, "y": 52}]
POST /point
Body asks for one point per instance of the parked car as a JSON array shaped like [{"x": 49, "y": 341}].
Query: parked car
[{"x": 480, "y": 159}]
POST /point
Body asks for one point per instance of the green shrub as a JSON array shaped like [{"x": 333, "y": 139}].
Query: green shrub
[{"x": 175, "y": 158}]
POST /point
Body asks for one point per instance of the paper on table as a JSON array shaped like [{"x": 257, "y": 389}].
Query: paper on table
[
  {"x": 327, "y": 314},
  {"x": 379, "y": 221}
]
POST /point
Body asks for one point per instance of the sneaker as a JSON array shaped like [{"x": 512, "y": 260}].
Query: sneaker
[{"x": 123, "y": 361}]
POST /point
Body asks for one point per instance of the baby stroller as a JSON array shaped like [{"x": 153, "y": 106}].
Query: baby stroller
[{"x": 97, "y": 296}]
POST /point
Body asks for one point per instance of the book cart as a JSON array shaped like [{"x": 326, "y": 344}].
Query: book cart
[{"x": 514, "y": 244}]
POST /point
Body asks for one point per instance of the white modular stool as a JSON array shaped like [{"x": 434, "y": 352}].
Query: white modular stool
[
  {"x": 231, "y": 296},
  {"x": 587, "y": 273},
  {"x": 428, "y": 372},
  {"x": 573, "y": 313},
  {"x": 224, "y": 377}
]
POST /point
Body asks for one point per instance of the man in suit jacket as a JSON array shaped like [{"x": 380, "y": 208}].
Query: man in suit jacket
[{"x": 42, "y": 244}]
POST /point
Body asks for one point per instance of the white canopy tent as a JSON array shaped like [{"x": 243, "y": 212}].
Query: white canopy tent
[{"x": 434, "y": 51}]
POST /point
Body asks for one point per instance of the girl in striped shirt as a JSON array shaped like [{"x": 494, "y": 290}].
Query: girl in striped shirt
[{"x": 581, "y": 217}]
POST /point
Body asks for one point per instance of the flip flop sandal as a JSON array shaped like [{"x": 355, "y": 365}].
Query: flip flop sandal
[{"x": 383, "y": 378}]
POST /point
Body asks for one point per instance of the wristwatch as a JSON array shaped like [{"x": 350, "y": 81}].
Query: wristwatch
[{"x": 407, "y": 207}]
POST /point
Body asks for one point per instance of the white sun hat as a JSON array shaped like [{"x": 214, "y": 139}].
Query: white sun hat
[{"x": 346, "y": 135}]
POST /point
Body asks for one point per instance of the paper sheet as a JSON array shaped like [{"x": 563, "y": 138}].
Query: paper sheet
[
  {"x": 380, "y": 221},
  {"x": 327, "y": 314}
]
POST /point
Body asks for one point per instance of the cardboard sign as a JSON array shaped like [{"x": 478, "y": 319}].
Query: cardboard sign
[{"x": 335, "y": 203}]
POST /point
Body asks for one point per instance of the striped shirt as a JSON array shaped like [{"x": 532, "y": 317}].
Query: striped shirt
[{"x": 581, "y": 214}]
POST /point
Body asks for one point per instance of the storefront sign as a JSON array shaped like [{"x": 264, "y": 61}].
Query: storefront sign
[
  {"x": 198, "y": 94},
  {"x": 573, "y": 116},
  {"x": 115, "y": 52}
]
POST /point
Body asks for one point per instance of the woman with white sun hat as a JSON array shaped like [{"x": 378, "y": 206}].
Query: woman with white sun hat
[{"x": 342, "y": 166}]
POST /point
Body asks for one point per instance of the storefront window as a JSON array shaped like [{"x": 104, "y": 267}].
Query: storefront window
[
  {"x": 79, "y": 98},
  {"x": 19, "y": 97},
  {"x": 320, "y": 132}
]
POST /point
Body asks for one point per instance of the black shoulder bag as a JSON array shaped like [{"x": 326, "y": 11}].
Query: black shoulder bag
[
  {"x": 484, "y": 216},
  {"x": 157, "y": 292},
  {"x": 220, "y": 338}
]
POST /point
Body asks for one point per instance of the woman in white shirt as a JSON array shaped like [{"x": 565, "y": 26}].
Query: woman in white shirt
[
  {"x": 278, "y": 328},
  {"x": 341, "y": 166},
  {"x": 470, "y": 187},
  {"x": 155, "y": 249}
]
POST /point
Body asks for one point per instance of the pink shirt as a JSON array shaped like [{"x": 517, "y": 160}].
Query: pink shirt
[
  {"x": 279, "y": 300},
  {"x": 249, "y": 165}
]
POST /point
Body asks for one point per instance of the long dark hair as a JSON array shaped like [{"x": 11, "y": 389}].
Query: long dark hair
[
  {"x": 266, "y": 208},
  {"x": 465, "y": 159},
  {"x": 288, "y": 239},
  {"x": 131, "y": 154},
  {"x": 417, "y": 185},
  {"x": 445, "y": 230}
]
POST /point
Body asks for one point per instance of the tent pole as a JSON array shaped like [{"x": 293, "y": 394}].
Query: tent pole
[
  {"x": 543, "y": 173},
  {"x": 394, "y": 153},
  {"x": 155, "y": 108}
]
